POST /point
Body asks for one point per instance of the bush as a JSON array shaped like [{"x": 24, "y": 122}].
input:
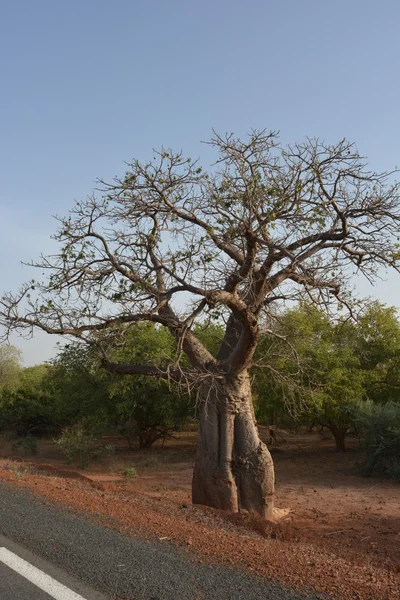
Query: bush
[
  {"x": 78, "y": 445},
  {"x": 28, "y": 444},
  {"x": 19, "y": 471},
  {"x": 75, "y": 443},
  {"x": 106, "y": 451},
  {"x": 129, "y": 472},
  {"x": 379, "y": 428}
]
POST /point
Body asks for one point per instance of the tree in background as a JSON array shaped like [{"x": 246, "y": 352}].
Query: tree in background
[
  {"x": 145, "y": 409},
  {"x": 377, "y": 345},
  {"x": 148, "y": 409},
  {"x": 10, "y": 367},
  {"x": 321, "y": 369},
  {"x": 171, "y": 244},
  {"x": 332, "y": 382},
  {"x": 28, "y": 407},
  {"x": 79, "y": 389},
  {"x": 379, "y": 450}
]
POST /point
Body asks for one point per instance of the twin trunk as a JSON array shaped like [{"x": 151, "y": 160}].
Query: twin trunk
[{"x": 234, "y": 469}]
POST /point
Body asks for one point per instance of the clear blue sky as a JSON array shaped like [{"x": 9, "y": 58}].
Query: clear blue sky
[{"x": 87, "y": 84}]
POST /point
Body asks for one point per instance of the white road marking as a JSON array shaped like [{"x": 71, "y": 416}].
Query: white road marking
[{"x": 53, "y": 588}]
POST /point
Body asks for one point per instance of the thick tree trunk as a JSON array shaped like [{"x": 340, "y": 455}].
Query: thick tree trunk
[
  {"x": 234, "y": 469},
  {"x": 340, "y": 439}
]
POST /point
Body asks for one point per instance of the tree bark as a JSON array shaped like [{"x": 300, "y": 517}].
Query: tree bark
[
  {"x": 340, "y": 439},
  {"x": 234, "y": 469}
]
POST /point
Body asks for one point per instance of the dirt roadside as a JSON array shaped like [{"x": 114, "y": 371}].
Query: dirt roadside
[{"x": 342, "y": 536}]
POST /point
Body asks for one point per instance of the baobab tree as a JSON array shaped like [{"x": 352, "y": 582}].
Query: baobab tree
[{"x": 172, "y": 244}]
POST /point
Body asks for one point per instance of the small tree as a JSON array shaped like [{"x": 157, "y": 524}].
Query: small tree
[
  {"x": 171, "y": 244},
  {"x": 321, "y": 375},
  {"x": 377, "y": 345},
  {"x": 80, "y": 389},
  {"x": 149, "y": 412},
  {"x": 149, "y": 409},
  {"x": 27, "y": 407}
]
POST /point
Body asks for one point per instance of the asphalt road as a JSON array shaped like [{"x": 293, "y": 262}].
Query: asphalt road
[
  {"x": 26, "y": 576},
  {"x": 13, "y": 586},
  {"x": 100, "y": 563}
]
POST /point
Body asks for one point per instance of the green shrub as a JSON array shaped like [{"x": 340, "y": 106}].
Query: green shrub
[
  {"x": 28, "y": 444},
  {"x": 129, "y": 472},
  {"x": 379, "y": 429},
  {"x": 75, "y": 443},
  {"x": 106, "y": 451}
]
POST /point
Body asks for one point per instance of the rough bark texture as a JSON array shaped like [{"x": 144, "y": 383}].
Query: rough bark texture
[{"x": 234, "y": 469}]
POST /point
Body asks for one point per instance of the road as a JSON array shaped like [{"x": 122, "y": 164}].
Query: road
[
  {"x": 12, "y": 587},
  {"x": 24, "y": 576},
  {"x": 97, "y": 563}
]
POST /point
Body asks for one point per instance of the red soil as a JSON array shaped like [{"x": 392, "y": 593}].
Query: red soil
[{"x": 342, "y": 536}]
